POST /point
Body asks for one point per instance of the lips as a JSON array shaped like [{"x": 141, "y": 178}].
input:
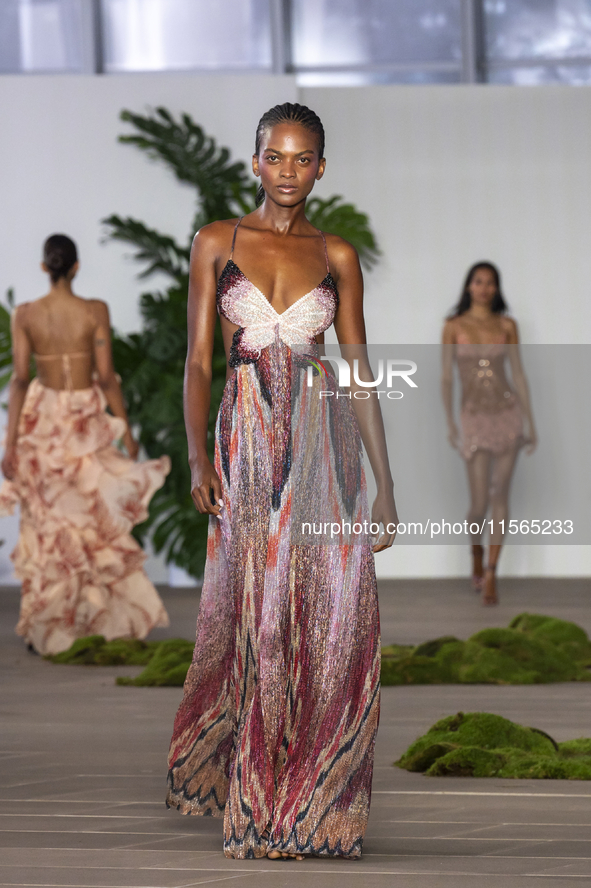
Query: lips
[{"x": 287, "y": 189}]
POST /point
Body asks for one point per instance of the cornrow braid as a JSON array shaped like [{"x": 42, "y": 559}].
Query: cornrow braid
[{"x": 288, "y": 113}]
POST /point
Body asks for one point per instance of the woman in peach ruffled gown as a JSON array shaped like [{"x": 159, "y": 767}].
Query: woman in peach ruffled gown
[
  {"x": 495, "y": 418},
  {"x": 81, "y": 571}
]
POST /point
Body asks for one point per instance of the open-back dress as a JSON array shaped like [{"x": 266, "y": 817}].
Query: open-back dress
[
  {"x": 80, "y": 569},
  {"x": 277, "y": 725}
]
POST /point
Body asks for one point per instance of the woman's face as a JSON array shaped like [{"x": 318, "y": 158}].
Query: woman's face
[
  {"x": 288, "y": 163},
  {"x": 482, "y": 287}
]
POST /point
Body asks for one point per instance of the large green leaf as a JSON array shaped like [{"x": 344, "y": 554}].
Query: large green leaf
[
  {"x": 5, "y": 341},
  {"x": 334, "y": 216},
  {"x": 194, "y": 157},
  {"x": 159, "y": 251}
]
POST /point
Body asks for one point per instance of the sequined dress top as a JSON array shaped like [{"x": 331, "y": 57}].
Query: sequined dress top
[
  {"x": 276, "y": 729},
  {"x": 491, "y": 416}
]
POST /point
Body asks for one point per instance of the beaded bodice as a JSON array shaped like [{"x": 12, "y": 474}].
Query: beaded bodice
[
  {"x": 260, "y": 324},
  {"x": 485, "y": 387}
]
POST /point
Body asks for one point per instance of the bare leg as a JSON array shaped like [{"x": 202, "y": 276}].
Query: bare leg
[
  {"x": 478, "y": 468},
  {"x": 477, "y": 566},
  {"x": 499, "y": 498}
]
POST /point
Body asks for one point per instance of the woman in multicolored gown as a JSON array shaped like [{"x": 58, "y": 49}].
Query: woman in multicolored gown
[
  {"x": 277, "y": 726},
  {"x": 480, "y": 337},
  {"x": 80, "y": 569}
]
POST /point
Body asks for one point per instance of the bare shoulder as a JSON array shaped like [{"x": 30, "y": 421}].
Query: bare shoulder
[
  {"x": 216, "y": 237},
  {"x": 343, "y": 255},
  {"x": 510, "y": 328},
  {"x": 99, "y": 310},
  {"x": 21, "y": 314},
  {"x": 450, "y": 330}
]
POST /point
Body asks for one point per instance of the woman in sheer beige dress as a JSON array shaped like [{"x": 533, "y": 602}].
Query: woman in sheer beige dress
[
  {"x": 81, "y": 571},
  {"x": 496, "y": 420}
]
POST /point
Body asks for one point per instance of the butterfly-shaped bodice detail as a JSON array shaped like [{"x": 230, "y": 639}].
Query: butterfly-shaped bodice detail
[{"x": 260, "y": 324}]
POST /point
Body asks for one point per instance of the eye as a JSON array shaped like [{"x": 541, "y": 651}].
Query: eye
[{"x": 271, "y": 157}]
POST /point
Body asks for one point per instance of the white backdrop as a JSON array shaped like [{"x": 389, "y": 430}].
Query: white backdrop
[{"x": 448, "y": 175}]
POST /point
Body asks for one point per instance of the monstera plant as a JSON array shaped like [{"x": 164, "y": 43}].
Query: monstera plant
[{"x": 151, "y": 362}]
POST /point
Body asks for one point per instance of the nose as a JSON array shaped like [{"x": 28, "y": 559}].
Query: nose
[{"x": 287, "y": 170}]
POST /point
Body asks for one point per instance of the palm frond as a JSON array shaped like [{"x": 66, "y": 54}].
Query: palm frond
[
  {"x": 160, "y": 251},
  {"x": 6, "y": 341},
  {"x": 194, "y": 157},
  {"x": 334, "y": 216}
]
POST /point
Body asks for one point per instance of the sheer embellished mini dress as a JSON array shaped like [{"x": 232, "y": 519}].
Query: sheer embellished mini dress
[
  {"x": 277, "y": 725},
  {"x": 80, "y": 569},
  {"x": 491, "y": 416}
]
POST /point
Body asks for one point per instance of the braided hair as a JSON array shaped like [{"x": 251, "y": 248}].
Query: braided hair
[
  {"x": 288, "y": 113},
  {"x": 59, "y": 255}
]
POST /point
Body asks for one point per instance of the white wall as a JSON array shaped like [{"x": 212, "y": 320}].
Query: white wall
[
  {"x": 448, "y": 175},
  {"x": 63, "y": 170}
]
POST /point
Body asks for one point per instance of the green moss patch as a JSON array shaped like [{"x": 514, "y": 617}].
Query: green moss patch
[
  {"x": 534, "y": 649},
  {"x": 168, "y": 666},
  {"x": 166, "y": 662},
  {"x": 480, "y": 744}
]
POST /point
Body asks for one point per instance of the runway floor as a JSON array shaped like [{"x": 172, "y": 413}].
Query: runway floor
[{"x": 83, "y": 767}]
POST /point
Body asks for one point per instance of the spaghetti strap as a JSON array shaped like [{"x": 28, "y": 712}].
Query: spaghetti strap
[
  {"x": 234, "y": 238},
  {"x": 325, "y": 251}
]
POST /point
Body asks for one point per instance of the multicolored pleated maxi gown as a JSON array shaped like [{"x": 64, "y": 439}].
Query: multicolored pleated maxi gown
[{"x": 277, "y": 726}]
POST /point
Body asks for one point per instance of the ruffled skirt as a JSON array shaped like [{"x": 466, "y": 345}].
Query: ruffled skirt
[{"x": 81, "y": 571}]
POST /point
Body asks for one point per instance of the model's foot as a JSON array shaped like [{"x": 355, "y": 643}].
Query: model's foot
[
  {"x": 489, "y": 589},
  {"x": 283, "y": 855}
]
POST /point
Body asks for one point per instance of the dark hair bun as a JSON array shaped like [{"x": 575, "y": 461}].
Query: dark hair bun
[{"x": 59, "y": 255}]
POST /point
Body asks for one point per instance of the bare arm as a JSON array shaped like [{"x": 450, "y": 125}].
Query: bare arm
[
  {"x": 520, "y": 383},
  {"x": 201, "y": 321},
  {"x": 447, "y": 382},
  {"x": 350, "y": 329},
  {"x": 19, "y": 384},
  {"x": 107, "y": 378}
]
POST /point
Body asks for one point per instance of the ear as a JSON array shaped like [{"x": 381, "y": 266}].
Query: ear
[
  {"x": 321, "y": 168},
  {"x": 73, "y": 271},
  {"x": 255, "y": 165},
  {"x": 44, "y": 267}
]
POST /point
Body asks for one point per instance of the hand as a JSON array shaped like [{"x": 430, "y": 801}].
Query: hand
[
  {"x": 10, "y": 463},
  {"x": 384, "y": 512},
  {"x": 453, "y": 436},
  {"x": 205, "y": 483},
  {"x": 131, "y": 445}
]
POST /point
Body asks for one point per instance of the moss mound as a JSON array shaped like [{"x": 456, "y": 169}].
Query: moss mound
[
  {"x": 480, "y": 744},
  {"x": 95, "y": 650},
  {"x": 534, "y": 649},
  {"x": 168, "y": 666},
  {"x": 166, "y": 662}
]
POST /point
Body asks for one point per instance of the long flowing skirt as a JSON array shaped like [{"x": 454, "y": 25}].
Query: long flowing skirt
[
  {"x": 81, "y": 571},
  {"x": 277, "y": 726}
]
